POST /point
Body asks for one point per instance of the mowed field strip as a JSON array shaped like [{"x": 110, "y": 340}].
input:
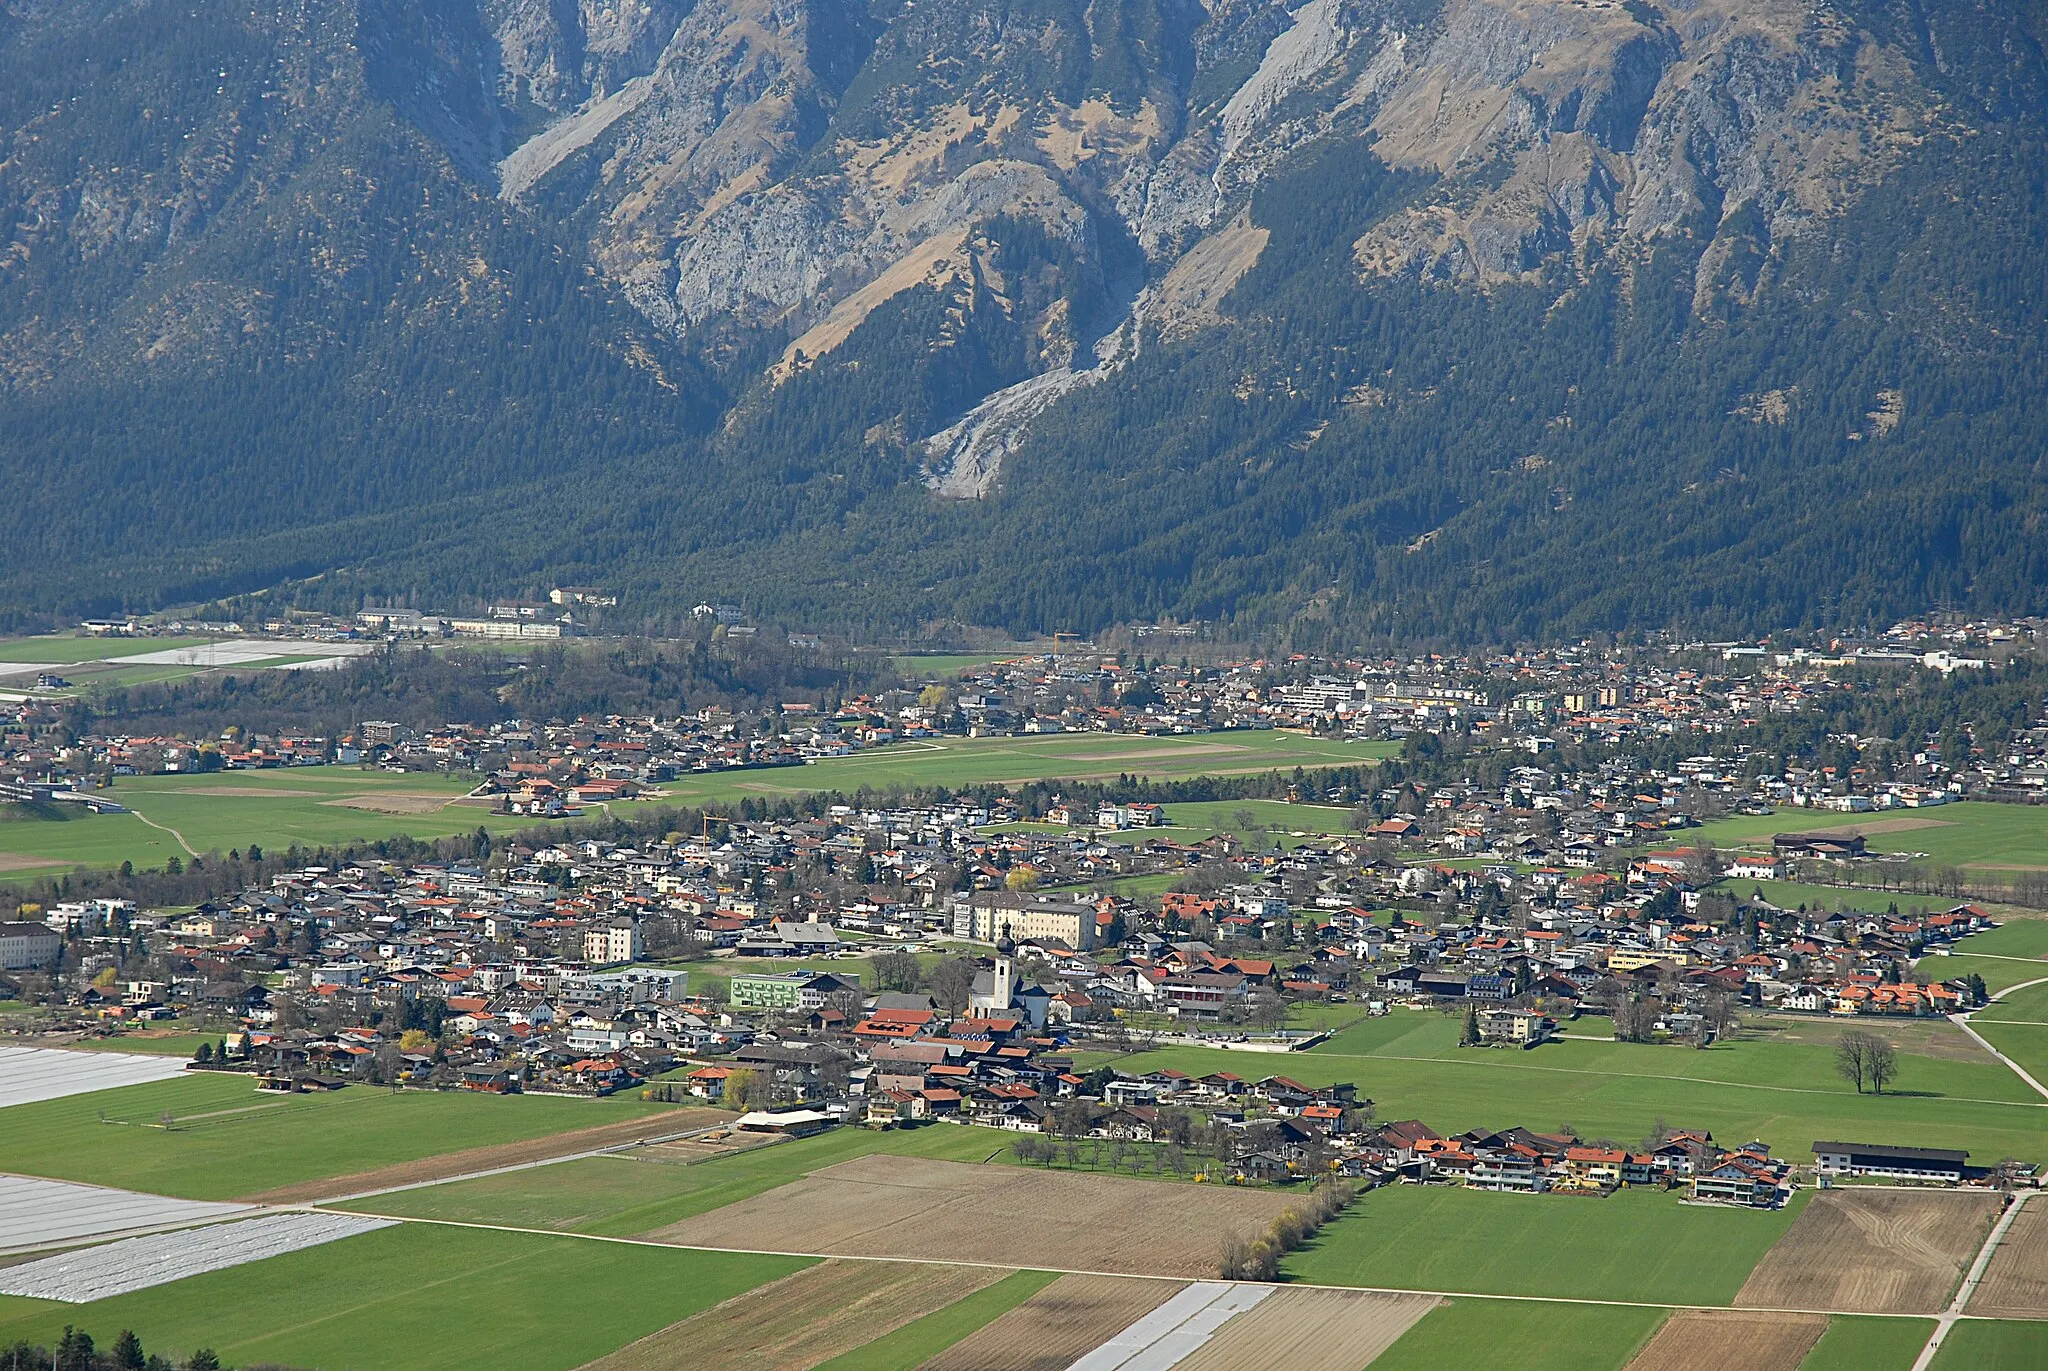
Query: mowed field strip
[
  {"x": 889, "y": 1206},
  {"x": 1714, "y": 1340},
  {"x": 1873, "y": 1250},
  {"x": 804, "y": 1320}
]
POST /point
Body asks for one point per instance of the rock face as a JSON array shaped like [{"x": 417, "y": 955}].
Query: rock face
[{"x": 765, "y": 179}]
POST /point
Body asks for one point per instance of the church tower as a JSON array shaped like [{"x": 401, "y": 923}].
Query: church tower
[{"x": 1005, "y": 988}]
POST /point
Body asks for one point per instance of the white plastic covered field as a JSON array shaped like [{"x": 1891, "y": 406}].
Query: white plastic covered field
[{"x": 97, "y": 1273}]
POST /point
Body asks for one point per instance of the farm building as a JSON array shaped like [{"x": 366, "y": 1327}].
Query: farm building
[{"x": 1896, "y": 1163}]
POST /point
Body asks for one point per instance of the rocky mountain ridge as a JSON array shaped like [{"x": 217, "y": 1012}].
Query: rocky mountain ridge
[{"x": 845, "y": 260}]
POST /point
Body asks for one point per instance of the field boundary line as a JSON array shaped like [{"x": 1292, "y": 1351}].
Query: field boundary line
[
  {"x": 1950, "y": 1315},
  {"x": 1081, "y": 1271}
]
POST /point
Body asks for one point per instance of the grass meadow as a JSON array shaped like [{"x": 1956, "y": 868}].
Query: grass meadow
[
  {"x": 1759, "y": 1086},
  {"x": 1528, "y": 1336},
  {"x": 227, "y": 1140},
  {"x": 1972, "y": 833},
  {"x": 1634, "y": 1245},
  {"x": 417, "y": 1295},
  {"x": 1987, "y": 1345},
  {"x": 1868, "y": 1344}
]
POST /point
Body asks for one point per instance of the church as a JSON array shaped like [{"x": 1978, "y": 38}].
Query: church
[{"x": 996, "y": 993}]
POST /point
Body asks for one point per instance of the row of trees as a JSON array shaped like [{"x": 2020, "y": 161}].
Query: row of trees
[
  {"x": 1258, "y": 1259},
  {"x": 76, "y": 1351}
]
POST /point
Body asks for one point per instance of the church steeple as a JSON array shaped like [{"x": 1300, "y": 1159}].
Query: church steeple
[{"x": 1004, "y": 990}]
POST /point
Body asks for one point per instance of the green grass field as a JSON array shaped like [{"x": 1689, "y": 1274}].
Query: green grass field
[
  {"x": 228, "y": 1140},
  {"x": 1634, "y": 1245},
  {"x": 1984, "y": 1345},
  {"x": 1998, "y": 972},
  {"x": 1526, "y": 1336},
  {"x": 417, "y": 1295},
  {"x": 622, "y": 1196},
  {"x": 1868, "y": 1344},
  {"x": 1783, "y": 1092},
  {"x": 1059, "y": 756},
  {"x": 66, "y": 647},
  {"x": 177, "y": 815},
  {"x": 1971, "y": 833},
  {"x": 919, "y": 1341},
  {"x": 225, "y": 810}
]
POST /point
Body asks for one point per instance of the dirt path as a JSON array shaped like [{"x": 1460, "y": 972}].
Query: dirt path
[
  {"x": 483, "y": 1161},
  {"x": 190, "y": 851}
]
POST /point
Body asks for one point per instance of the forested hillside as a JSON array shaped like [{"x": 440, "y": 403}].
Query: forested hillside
[{"x": 1478, "y": 320}]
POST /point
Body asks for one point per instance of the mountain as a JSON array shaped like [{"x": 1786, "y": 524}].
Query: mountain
[{"x": 1471, "y": 319}]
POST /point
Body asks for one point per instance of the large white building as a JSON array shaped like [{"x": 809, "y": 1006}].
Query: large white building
[
  {"x": 1029, "y": 918},
  {"x": 25, "y": 946}
]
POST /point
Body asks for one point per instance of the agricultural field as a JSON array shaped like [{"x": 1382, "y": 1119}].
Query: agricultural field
[
  {"x": 2015, "y": 1285},
  {"x": 416, "y": 1295},
  {"x": 1784, "y": 1092},
  {"x": 921, "y": 1210},
  {"x": 140, "y": 1263},
  {"x": 1059, "y": 756},
  {"x": 916, "y": 1343},
  {"x": 1972, "y": 833},
  {"x": 1633, "y": 1245},
  {"x": 212, "y": 1136},
  {"x": 1541, "y": 1337},
  {"x": 1984, "y": 1345},
  {"x": 1794, "y": 894},
  {"x": 631, "y": 1193},
  {"x": 805, "y": 1319},
  {"x": 1853, "y": 1343},
  {"x": 1713, "y": 1339},
  {"x": 1881, "y": 1251},
  {"x": 1056, "y": 1326},
  {"x": 89, "y": 663},
  {"x": 180, "y": 816},
  {"x": 1294, "y": 1329}
]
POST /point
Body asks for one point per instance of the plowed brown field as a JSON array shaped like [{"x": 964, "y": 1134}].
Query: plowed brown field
[
  {"x": 802, "y": 1320},
  {"x": 1310, "y": 1330},
  {"x": 1052, "y": 1329},
  {"x": 909, "y": 1207},
  {"x": 1718, "y": 1339},
  {"x": 2016, "y": 1284},
  {"x": 473, "y": 1159},
  {"x": 1873, "y": 1251}
]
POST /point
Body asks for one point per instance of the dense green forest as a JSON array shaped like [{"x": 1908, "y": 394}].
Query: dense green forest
[{"x": 380, "y": 382}]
